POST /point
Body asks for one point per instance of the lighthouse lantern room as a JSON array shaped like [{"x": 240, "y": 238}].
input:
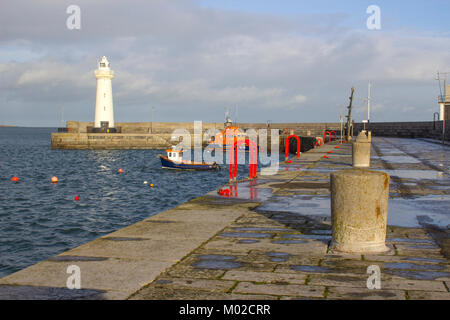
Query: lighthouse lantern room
[{"x": 104, "y": 113}]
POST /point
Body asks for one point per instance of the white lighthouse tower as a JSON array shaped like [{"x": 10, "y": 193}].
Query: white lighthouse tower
[{"x": 104, "y": 113}]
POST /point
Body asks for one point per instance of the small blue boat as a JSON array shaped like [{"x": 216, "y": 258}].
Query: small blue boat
[{"x": 174, "y": 160}]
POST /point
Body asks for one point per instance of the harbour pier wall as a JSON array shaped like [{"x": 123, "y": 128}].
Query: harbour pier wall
[
  {"x": 158, "y": 135},
  {"x": 416, "y": 129}
]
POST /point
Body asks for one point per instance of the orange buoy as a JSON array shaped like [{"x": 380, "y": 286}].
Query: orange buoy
[
  {"x": 120, "y": 170},
  {"x": 326, "y": 157},
  {"x": 77, "y": 198},
  {"x": 15, "y": 179},
  {"x": 54, "y": 179},
  {"x": 151, "y": 185}
]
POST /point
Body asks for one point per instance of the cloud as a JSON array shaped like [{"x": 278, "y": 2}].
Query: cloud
[{"x": 191, "y": 63}]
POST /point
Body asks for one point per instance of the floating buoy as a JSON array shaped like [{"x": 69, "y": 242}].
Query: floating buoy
[
  {"x": 54, "y": 179},
  {"x": 145, "y": 182},
  {"x": 120, "y": 170},
  {"x": 331, "y": 151},
  {"x": 15, "y": 179},
  {"x": 289, "y": 161},
  {"x": 326, "y": 157},
  {"x": 151, "y": 185},
  {"x": 77, "y": 198},
  {"x": 337, "y": 147}
]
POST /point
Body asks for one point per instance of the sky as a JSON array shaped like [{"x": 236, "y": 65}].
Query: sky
[{"x": 283, "y": 61}]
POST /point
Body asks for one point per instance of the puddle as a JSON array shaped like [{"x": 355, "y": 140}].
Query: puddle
[
  {"x": 311, "y": 269},
  {"x": 278, "y": 256},
  {"x": 439, "y": 187},
  {"x": 418, "y": 275},
  {"x": 216, "y": 261},
  {"x": 278, "y": 259},
  {"x": 321, "y": 231},
  {"x": 424, "y": 247},
  {"x": 413, "y": 213},
  {"x": 412, "y": 266},
  {"x": 244, "y": 190},
  {"x": 288, "y": 241},
  {"x": 216, "y": 264},
  {"x": 409, "y": 213},
  {"x": 410, "y": 240},
  {"x": 425, "y": 259},
  {"x": 399, "y": 159},
  {"x": 307, "y": 236},
  {"x": 247, "y": 241},
  {"x": 163, "y": 281},
  {"x": 245, "y": 235},
  {"x": 416, "y": 174},
  {"x": 298, "y": 204},
  {"x": 322, "y": 170}
]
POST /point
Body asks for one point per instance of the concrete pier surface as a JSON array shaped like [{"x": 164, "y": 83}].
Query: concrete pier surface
[{"x": 270, "y": 240}]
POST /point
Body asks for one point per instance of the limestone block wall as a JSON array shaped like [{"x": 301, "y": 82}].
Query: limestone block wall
[
  {"x": 109, "y": 141},
  {"x": 419, "y": 129},
  {"x": 315, "y": 129}
]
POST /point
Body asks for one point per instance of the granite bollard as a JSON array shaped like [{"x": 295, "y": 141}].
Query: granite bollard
[
  {"x": 361, "y": 150},
  {"x": 359, "y": 203}
]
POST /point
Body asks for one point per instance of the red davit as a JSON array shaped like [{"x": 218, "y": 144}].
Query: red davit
[
  {"x": 253, "y": 158},
  {"x": 318, "y": 141},
  {"x": 329, "y": 135},
  {"x": 286, "y": 156}
]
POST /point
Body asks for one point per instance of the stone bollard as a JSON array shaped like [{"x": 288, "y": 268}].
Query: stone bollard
[
  {"x": 361, "y": 151},
  {"x": 359, "y": 202}
]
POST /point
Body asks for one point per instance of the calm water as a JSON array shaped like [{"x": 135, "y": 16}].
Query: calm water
[{"x": 39, "y": 220}]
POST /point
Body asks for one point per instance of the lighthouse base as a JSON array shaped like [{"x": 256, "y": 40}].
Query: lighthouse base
[{"x": 102, "y": 130}]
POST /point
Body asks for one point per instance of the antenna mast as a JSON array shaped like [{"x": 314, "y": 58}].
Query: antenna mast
[{"x": 349, "y": 127}]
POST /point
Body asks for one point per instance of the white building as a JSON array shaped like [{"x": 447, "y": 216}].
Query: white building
[{"x": 104, "y": 113}]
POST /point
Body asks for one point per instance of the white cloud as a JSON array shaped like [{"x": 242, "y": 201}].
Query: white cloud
[{"x": 193, "y": 62}]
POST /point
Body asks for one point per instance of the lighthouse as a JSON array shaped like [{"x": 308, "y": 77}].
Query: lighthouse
[{"x": 104, "y": 114}]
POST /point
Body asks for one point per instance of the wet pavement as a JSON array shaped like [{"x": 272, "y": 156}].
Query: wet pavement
[
  {"x": 269, "y": 238},
  {"x": 283, "y": 243}
]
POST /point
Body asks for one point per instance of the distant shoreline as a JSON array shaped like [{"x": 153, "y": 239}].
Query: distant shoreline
[{"x": 5, "y": 126}]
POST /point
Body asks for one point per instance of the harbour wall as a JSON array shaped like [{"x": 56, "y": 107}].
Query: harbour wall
[
  {"x": 417, "y": 129},
  {"x": 158, "y": 135}
]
